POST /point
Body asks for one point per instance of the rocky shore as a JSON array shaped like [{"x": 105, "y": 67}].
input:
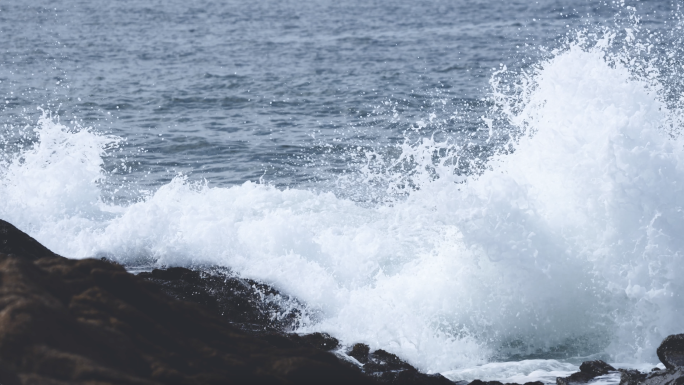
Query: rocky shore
[{"x": 89, "y": 321}]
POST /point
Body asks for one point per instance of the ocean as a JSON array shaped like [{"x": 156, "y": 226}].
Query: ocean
[{"x": 488, "y": 189}]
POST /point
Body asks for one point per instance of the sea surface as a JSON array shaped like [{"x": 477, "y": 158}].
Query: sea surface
[{"x": 488, "y": 189}]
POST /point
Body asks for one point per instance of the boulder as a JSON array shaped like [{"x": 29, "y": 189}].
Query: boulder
[
  {"x": 321, "y": 341},
  {"x": 671, "y": 351},
  {"x": 631, "y": 377},
  {"x": 588, "y": 371},
  {"x": 360, "y": 352}
]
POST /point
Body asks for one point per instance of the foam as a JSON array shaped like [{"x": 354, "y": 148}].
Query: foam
[{"x": 518, "y": 372}]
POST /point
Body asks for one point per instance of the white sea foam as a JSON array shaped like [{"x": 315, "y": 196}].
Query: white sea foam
[
  {"x": 571, "y": 243},
  {"x": 518, "y": 372}
]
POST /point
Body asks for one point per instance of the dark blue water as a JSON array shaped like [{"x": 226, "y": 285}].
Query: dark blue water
[{"x": 233, "y": 91}]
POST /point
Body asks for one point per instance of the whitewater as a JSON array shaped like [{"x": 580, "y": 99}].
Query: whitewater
[{"x": 567, "y": 244}]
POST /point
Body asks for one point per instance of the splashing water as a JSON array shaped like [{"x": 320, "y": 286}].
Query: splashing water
[{"x": 568, "y": 243}]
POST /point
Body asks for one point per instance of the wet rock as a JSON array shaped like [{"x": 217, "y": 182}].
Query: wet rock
[
  {"x": 360, "y": 352},
  {"x": 390, "y": 369},
  {"x": 240, "y": 302},
  {"x": 15, "y": 241},
  {"x": 382, "y": 361},
  {"x": 665, "y": 377},
  {"x": 414, "y": 377},
  {"x": 671, "y": 351},
  {"x": 89, "y": 321},
  {"x": 321, "y": 341},
  {"x": 631, "y": 377},
  {"x": 596, "y": 368},
  {"x": 588, "y": 371},
  {"x": 480, "y": 382},
  {"x": 245, "y": 303}
]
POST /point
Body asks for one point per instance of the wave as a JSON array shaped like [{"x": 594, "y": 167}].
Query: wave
[{"x": 567, "y": 242}]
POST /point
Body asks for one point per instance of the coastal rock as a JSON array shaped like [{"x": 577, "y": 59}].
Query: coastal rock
[
  {"x": 321, "y": 341},
  {"x": 390, "y": 369},
  {"x": 360, "y": 352},
  {"x": 241, "y": 302},
  {"x": 671, "y": 351},
  {"x": 89, "y": 321},
  {"x": 665, "y": 377},
  {"x": 411, "y": 377},
  {"x": 245, "y": 303},
  {"x": 478, "y": 382},
  {"x": 588, "y": 371},
  {"x": 631, "y": 377}
]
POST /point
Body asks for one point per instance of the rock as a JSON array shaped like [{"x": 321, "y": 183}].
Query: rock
[
  {"x": 414, "y": 377},
  {"x": 88, "y": 321},
  {"x": 321, "y": 341},
  {"x": 671, "y": 351},
  {"x": 588, "y": 371},
  {"x": 631, "y": 377},
  {"x": 665, "y": 377},
  {"x": 247, "y": 304},
  {"x": 382, "y": 361},
  {"x": 15, "y": 241},
  {"x": 596, "y": 368},
  {"x": 240, "y": 302},
  {"x": 360, "y": 352},
  {"x": 479, "y": 382},
  {"x": 390, "y": 369}
]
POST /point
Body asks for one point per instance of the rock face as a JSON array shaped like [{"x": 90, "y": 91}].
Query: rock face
[
  {"x": 245, "y": 303},
  {"x": 671, "y": 351},
  {"x": 241, "y": 302},
  {"x": 90, "y": 322},
  {"x": 388, "y": 368},
  {"x": 664, "y": 377},
  {"x": 588, "y": 371},
  {"x": 631, "y": 377}
]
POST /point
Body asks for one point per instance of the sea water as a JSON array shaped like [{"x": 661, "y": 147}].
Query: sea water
[{"x": 487, "y": 190}]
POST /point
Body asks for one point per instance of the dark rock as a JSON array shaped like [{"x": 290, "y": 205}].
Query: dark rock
[
  {"x": 360, "y": 352},
  {"x": 247, "y": 304},
  {"x": 414, "y": 377},
  {"x": 90, "y": 322},
  {"x": 665, "y": 377},
  {"x": 596, "y": 368},
  {"x": 241, "y": 302},
  {"x": 671, "y": 351},
  {"x": 631, "y": 377},
  {"x": 17, "y": 242},
  {"x": 321, "y": 341},
  {"x": 588, "y": 371},
  {"x": 479, "y": 382},
  {"x": 389, "y": 368},
  {"x": 382, "y": 361}
]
